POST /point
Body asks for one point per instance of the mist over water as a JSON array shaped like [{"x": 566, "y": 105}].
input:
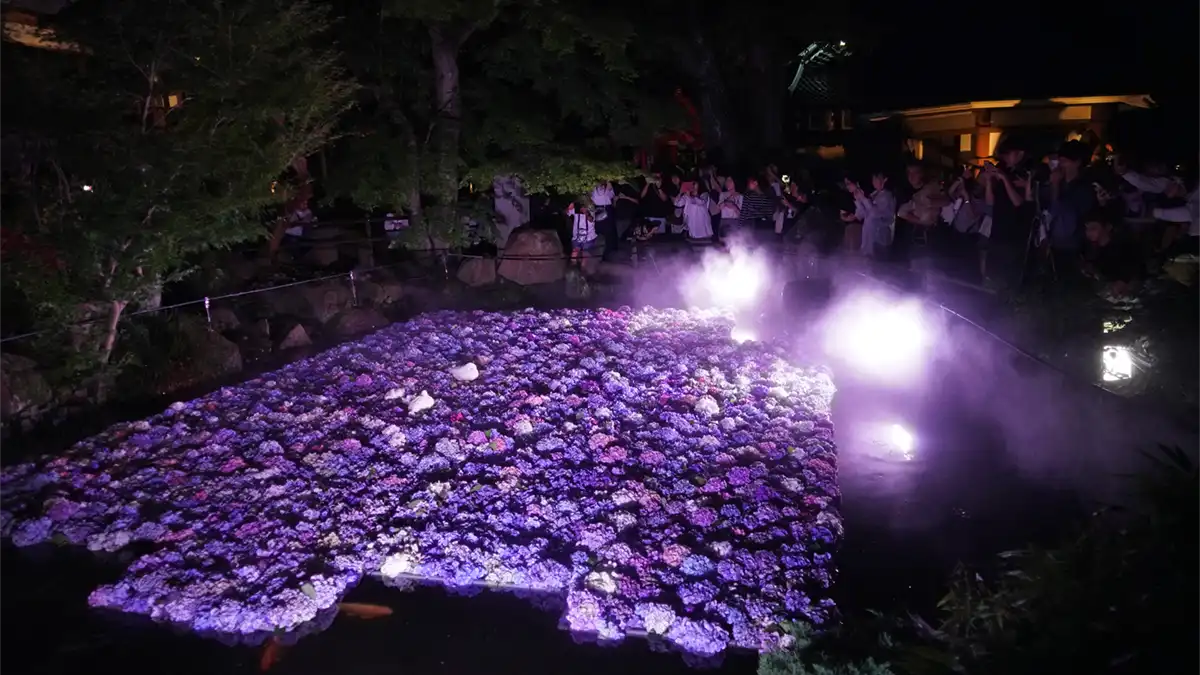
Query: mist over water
[{"x": 900, "y": 361}]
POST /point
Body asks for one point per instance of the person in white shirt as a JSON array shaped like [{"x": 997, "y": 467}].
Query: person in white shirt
[
  {"x": 696, "y": 216},
  {"x": 728, "y": 207},
  {"x": 1188, "y": 214},
  {"x": 583, "y": 231},
  {"x": 877, "y": 212},
  {"x": 602, "y": 197}
]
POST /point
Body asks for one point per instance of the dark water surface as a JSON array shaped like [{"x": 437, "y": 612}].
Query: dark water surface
[{"x": 1004, "y": 452}]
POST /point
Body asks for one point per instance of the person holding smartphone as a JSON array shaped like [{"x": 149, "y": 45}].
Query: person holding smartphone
[
  {"x": 728, "y": 207},
  {"x": 696, "y": 215},
  {"x": 583, "y": 231},
  {"x": 877, "y": 211},
  {"x": 655, "y": 205}
]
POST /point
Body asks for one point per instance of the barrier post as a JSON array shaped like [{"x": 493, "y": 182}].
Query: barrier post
[
  {"x": 353, "y": 289},
  {"x": 207, "y": 312}
]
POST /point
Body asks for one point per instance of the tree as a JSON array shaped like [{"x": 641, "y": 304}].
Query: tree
[
  {"x": 736, "y": 64},
  {"x": 165, "y": 139},
  {"x": 456, "y": 93}
]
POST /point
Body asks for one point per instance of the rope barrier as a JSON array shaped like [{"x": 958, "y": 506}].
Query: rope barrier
[
  {"x": 974, "y": 324},
  {"x": 354, "y": 275},
  {"x": 207, "y": 301}
]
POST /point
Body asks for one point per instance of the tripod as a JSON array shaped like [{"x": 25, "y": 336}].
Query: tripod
[{"x": 1031, "y": 241}]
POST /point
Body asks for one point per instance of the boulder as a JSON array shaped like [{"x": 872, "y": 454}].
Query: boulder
[
  {"x": 224, "y": 318},
  {"x": 391, "y": 291},
  {"x": 550, "y": 265},
  {"x": 477, "y": 272},
  {"x": 356, "y": 321},
  {"x": 209, "y": 355},
  {"x": 321, "y": 301},
  {"x": 380, "y": 290},
  {"x": 22, "y": 388},
  {"x": 294, "y": 337}
]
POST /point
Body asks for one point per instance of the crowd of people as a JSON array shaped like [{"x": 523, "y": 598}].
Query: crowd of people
[{"x": 1076, "y": 213}]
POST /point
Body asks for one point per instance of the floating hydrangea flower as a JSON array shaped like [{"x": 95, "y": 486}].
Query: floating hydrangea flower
[{"x": 682, "y": 472}]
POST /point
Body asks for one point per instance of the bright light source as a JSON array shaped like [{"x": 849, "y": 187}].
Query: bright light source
[
  {"x": 87, "y": 188},
  {"x": 841, "y": 43},
  {"x": 740, "y": 335},
  {"x": 903, "y": 440},
  {"x": 1117, "y": 364},
  {"x": 881, "y": 337},
  {"x": 728, "y": 281}
]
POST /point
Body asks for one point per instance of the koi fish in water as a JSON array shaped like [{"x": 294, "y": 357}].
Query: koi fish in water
[
  {"x": 272, "y": 653},
  {"x": 274, "y": 650},
  {"x": 359, "y": 610}
]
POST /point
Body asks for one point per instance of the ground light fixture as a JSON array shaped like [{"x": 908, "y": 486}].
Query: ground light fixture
[
  {"x": 1116, "y": 363},
  {"x": 903, "y": 440}
]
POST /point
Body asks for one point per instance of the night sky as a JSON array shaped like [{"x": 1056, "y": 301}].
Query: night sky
[{"x": 948, "y": 52}]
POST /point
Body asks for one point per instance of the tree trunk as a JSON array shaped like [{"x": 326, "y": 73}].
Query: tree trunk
[
  {"x": 443, "y": 216},
  {"x": 700, "y": 61},
  {"x": 768, "y": 95},
  {"x": 303, "y": 193},
  {"x": 116, "y": 307}
]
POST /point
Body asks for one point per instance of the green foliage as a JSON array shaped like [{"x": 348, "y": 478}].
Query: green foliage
[
  {"x": 165, "y": 177},
  {"x": 549, "y": 91},
  {"x": 811, "y": 653}
]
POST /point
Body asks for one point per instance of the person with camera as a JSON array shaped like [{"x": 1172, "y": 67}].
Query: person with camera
[
  {"x": 793, "y": 202},
  {"x": 584, "y": 239},
  {"x": 696, "y": 216},
  {"x": 728, "y": 208},
  {"x": 1004, "y": 249},
  {"x": 757, "y": 206},
  {"x": 654, "y": 205},
  {"x": 920, "y": 212},
  {"x": 1071, "y": 196},
  {"x": 877, "y": 212},
  {"x": 1183, "y": 219}
]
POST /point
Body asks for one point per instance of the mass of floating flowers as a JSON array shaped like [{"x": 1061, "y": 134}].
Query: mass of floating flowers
[{"x": 664, "y": 478}]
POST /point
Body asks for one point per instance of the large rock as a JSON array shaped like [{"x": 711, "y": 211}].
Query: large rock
[
  {"x": 294, "y": 337},
  {"x": 477, "y": 272},
  {"x": 320, "y": 301},
  {"x": 357, "y": 321},
  {"x": 209, "y": 355},
  {"x": 381, "y": 290},
  {"x": 224, "y": 318},
  {"x": 22, "y": 388},
  {"x": 544, "y": 245}
]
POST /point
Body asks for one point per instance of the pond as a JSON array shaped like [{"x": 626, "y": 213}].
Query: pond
[{"x": 977, "y": 451}]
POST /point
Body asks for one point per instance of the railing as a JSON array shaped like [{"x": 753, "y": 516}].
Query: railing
[{"x": 354, "y": 277}]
